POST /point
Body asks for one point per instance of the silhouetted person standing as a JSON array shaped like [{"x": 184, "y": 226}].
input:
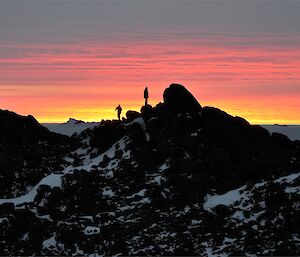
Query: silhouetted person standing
[
  {"x": 119, "y": 109},
  {"x": 146, "y": 96}
]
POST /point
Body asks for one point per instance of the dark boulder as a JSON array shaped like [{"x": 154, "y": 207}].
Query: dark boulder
[
  {"x": 282, "y": 140},
  {"x": 147, "y": 112},
  {"x": 154, "y": 126},
  {"x": 179, "y": 100},
  {"x": 77, "y": 160},
  {"x": 106, "y": 134},
  {"x": 42, "y": 190},
  {"x": 137, "y": 133},
  {"x": 7, "y": 208},
  {"x": 131, "y": 115}
]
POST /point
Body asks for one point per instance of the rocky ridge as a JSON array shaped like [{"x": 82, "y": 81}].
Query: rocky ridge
[{"x": 174, "y": 179}]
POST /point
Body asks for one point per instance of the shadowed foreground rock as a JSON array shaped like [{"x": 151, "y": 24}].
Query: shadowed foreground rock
[
  {"x": 28, "y": 152},
  {"x": 177, "y": 179}
]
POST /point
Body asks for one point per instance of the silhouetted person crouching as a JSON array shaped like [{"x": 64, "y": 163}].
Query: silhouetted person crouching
[{"x": 119, "y": 109}]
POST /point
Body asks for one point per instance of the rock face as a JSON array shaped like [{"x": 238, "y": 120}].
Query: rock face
[
  {"x": 179, "y": 100},
  {"x": 176, "y": 181},
  {"x": 28, "y": 152}
]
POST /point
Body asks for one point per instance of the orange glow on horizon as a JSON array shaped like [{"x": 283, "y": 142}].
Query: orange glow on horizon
[
  {"x": 253, "y": 110},
  {"x": 260, "y": 82}
]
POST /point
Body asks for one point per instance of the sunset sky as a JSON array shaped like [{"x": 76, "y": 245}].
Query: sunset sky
[{"x": 80, "y": 59}]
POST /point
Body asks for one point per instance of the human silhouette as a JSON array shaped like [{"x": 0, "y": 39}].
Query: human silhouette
[
  {"x": 119, "y": 109},
  {"x": 146, "y": 96}
]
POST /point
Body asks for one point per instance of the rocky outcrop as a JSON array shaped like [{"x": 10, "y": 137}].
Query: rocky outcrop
[
  {"x": 223, "y": 150},
  {"x": 28, "y": 152},
  {"x": 179, "y": 100},
  {"x": 104, "y": 135}
]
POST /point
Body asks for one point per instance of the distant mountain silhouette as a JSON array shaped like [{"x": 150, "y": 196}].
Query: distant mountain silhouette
[
  {"x": 73, "y": 121},
  {"x": 174, "y": 179}
]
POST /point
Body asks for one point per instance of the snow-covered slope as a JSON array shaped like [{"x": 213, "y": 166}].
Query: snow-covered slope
[
  {"x": 292, "y": 131},
  {"x": 55, "y": 179},
  {"x": 100, "y": 208},
  {"x": 70, "y": 127}
]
